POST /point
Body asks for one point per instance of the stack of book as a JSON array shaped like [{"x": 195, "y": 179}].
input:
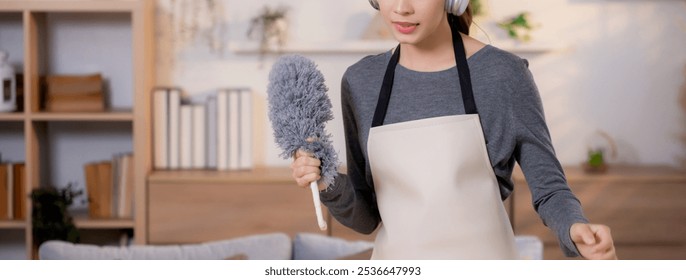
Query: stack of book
[
  {"x": 82, "y": 93},
  {"x": 109, "y": 185},
  {"x": 13, "y": 195},
  {"x": 213, "y": 134}
]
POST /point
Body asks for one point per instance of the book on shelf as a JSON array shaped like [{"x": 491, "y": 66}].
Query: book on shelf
[
  {"x": 126, "y": 199},
  {"x": 174, "y": 128},
  {"x": 12, "y": 191},
  {"x": 234, "y": 129},
  {"x": 74, "y": 93},
  {"x": 198, "y": 129},
  {"x": 105, "y": 188},
  {"x": 211, "y": 132},
  {"x": 90, "y": 171},
  {"x": 246, "y": 126},
  {"x": 186, "y": 141},
  {"x": 122, "y": 188},
  {"x": 223, "y": 130},
  {"x": 109, "y": 186},
  {"x": 4, "y": 191},
  {"x": 166, "y": 106},
  {"x": 160, "y": 111},
  {"x": 20, "y": 196}
]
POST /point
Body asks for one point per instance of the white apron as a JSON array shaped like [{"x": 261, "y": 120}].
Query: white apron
[{"x": 436, "y": 191}]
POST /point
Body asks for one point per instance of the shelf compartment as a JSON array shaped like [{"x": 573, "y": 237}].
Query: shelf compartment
[
  {"x": 11, "y": 41},
  {"x": 77, "y": 43}
]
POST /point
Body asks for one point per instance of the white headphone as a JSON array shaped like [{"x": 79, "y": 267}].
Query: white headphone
[{"x": 455, "y": 7}]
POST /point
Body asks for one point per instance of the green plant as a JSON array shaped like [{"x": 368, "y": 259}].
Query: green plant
[
  {"x": 518, "y": 27},
  {"x": 51, "y": 220},
  {"x": 271, "y": 27},
  {"x": 477, "y": 7},
  {"x": 595, "y": 158}
]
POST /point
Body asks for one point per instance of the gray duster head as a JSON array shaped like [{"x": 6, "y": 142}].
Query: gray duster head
[{"x": 299, "y": 109}]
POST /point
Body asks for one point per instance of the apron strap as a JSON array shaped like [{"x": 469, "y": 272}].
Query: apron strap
[
  {"x": 462, "y": 71},
  {"x": 386, "y": 88}
]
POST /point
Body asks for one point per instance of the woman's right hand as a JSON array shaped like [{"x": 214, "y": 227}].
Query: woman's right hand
[{"x": 306, "y": 169}]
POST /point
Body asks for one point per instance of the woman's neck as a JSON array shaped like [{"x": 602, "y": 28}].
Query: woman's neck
[{"x": 434, "y": 53}]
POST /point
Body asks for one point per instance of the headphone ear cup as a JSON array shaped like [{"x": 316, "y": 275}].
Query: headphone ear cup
[
  {"x": 374, "y": 3},
  {"x": 455, "y": 7}
]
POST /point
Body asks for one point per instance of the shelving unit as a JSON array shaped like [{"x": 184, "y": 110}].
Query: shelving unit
[{"x": 41, "y": 22}]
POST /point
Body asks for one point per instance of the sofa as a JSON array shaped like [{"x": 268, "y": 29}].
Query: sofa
[{"x": 273, "y": 246}]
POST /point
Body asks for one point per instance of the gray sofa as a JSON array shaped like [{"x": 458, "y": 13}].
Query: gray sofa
[{"x": 274, "y": 246}]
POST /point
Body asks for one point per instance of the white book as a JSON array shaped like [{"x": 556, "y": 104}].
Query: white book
[
  {"x": 211, "y": 131},
  {"x": 173, "y": 128},
  {"x": 222, "y": 130},
  {"x": 199, "y": 137},
  {"x": 161, "y": 128},
  {"x": 245, "y": 157},
  {"x": 234, "y": 129},
  {"x": 186, "y": 141}
]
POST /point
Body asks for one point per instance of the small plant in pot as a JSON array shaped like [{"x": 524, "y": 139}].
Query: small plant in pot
[
  {"x": 600, "y": 146},
  {"x": 271, "y": 28},
  {"x": 51, "y": 219}
]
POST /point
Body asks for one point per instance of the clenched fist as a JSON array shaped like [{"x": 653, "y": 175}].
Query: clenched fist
[{"x": 593, "y": 241}]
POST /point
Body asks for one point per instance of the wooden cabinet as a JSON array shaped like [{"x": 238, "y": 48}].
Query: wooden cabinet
[
  {"x": 40, "y": 23},
  {"x": 645, "y": 207},
  {"x": 197, "y": 206}
]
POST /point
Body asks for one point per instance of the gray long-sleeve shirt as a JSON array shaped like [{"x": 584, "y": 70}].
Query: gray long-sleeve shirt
[{"x": 512, "y": 119}]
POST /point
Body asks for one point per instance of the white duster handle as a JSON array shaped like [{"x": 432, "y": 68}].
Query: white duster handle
[{"x": 317, "y": 205}]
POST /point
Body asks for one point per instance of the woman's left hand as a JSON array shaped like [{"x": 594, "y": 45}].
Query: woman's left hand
[{"x": 593, "y": 241}]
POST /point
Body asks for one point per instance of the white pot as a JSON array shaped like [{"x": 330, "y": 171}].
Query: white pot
[{"x": 8, "y": 85}]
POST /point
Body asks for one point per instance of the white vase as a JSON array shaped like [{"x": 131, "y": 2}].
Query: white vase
[{"x": 8, "y": 85}]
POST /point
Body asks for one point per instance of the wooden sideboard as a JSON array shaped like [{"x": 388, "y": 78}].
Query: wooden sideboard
[
  {"x": 644, "y": 206},
  {"x": 197, "y": 206}
]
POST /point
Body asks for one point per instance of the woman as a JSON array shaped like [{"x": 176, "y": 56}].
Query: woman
[{"x": 433, "y": 129}]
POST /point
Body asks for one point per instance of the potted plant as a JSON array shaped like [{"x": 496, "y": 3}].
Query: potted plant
[
  {"x": 51, "y": 219},
  {"x": 518, "y": 27},
  {"x": 270, "y": 27},
  {"x": 599, "y": 145}
]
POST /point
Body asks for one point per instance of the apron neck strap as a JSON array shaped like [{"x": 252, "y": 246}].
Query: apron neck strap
[{"x": 462, "y": 71}]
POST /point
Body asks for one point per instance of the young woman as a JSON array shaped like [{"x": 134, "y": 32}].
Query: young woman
[{"x": 433, "y": 129}]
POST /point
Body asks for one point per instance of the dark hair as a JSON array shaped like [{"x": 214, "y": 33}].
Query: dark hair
[{"x": 462, "y": 22}]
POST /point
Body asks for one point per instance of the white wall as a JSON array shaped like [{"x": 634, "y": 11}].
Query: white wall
[{"x": 619, "y": 70}]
